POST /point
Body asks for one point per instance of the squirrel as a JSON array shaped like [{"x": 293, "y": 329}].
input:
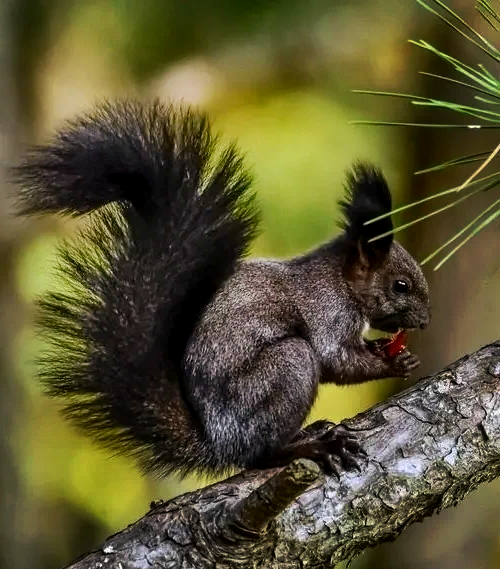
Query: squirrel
[{"x": 168, "y": 345}]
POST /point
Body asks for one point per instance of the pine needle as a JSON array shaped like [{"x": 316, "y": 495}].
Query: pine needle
[
  {"x": 469, "y": 158},
  {"x": 435, "y": 212},
  {"x": 485, "y": 87},
  {"x": 459, "y": 233},
  {"x": 453, "y": 190},
  {"x": 482, "y": 167},
  {"x": 485, "y": 223}
]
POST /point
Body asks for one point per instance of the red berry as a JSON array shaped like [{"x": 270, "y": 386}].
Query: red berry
[{"x": 397, "y": 345}]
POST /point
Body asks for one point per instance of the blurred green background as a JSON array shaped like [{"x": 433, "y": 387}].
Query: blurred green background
[{"x": 276, "y": 75}]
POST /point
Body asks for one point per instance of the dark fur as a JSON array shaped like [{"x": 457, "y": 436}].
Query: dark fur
[
  {"x": 367, "y": 197},
  {"x": 165, "y": 344}
]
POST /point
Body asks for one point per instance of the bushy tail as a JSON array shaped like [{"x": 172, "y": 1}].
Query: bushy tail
[{"x": 139, "y": 276}]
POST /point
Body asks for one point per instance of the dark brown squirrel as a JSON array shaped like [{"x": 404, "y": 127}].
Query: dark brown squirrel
[{"x": 166, "y": 344}]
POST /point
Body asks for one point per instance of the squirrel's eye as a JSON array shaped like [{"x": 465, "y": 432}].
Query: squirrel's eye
[{"x": 400, "y": 286}]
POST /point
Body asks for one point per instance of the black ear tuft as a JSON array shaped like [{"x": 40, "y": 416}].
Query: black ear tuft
[{"x": 367, "y": 196}]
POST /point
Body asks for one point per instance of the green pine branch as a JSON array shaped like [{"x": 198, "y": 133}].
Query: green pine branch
[{"x": 483, "y": 113}]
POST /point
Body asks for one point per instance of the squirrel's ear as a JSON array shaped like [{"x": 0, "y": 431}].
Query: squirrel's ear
[{"x": 367, "y": 196}]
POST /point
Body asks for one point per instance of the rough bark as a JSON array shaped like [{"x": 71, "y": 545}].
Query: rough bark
[{"x": 427, "y": 448}]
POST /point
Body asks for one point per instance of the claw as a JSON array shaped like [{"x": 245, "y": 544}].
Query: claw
[
  {"x": 331, "y": 446},
  {"x": 343, "y": 448},
  {"x": 320, "y": 428},
  {"x": 349, "y": 461},
  {"x": 331, "y": 466},
  {"x": 404, "y": 363}
]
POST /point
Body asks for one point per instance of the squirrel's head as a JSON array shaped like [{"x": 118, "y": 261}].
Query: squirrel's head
[{"x": 387, "y": 280}]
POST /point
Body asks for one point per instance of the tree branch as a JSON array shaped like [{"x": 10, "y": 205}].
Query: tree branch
[{"x": 427, "y": 448}]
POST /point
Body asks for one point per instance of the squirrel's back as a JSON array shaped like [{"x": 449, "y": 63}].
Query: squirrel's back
[{"x": 140, "y": 275}]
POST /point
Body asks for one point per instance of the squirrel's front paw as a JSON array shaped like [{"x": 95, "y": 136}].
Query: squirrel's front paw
[{"x": 404, "y": 363}]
